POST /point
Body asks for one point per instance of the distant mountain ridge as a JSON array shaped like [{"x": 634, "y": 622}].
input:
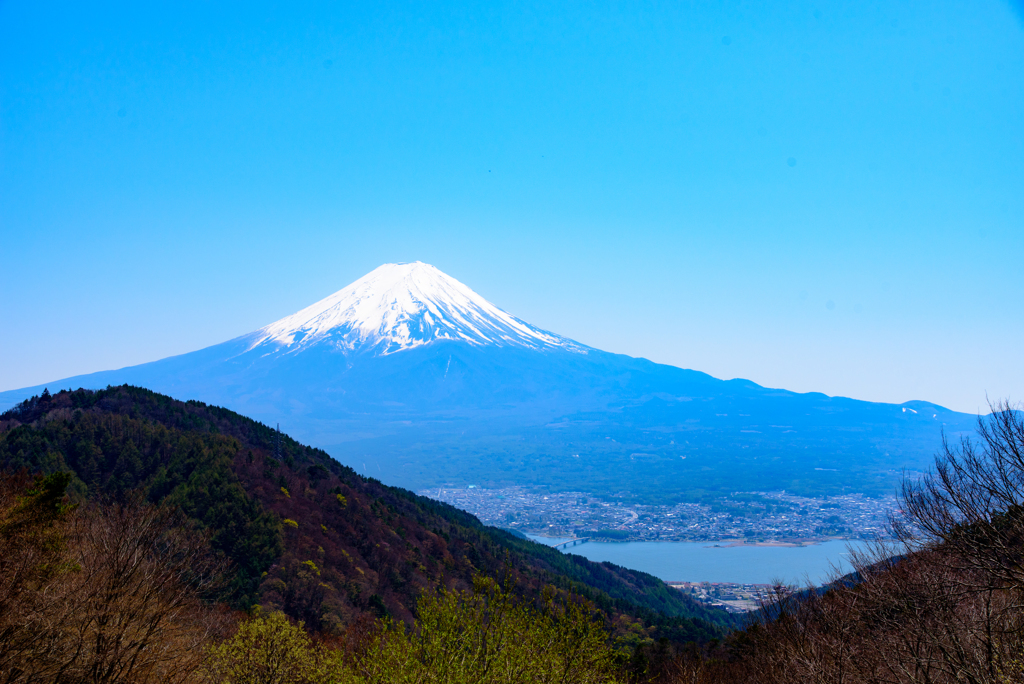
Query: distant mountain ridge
[{"x": 412, "y": 377}]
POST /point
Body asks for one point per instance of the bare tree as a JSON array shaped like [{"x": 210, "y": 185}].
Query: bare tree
[
  {"x": 971, "y": 505},
  {"x": 139, "y": 615},
  {"x": 967, "y": 519},
  {"x": 33, "y": 558},
  {"x": 128, "y": 608},
  {"x": 945, "y": 603}
]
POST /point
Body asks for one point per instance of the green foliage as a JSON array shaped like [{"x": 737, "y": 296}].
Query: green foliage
[
  {"x": 317, "y": 472},
  {"x": 268, "y": 649},
  {"x": 114, "y": 453},
  {"x": 614, "y": 535},
  {"x": 487, "y": 636},
  {"x": 35, "y": 512}
]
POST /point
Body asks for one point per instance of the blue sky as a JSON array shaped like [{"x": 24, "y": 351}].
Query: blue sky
[{"x": 818, "y": 196}]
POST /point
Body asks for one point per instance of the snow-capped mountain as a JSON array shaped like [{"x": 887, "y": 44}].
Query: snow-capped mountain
[
  {"x": 397, "y": 307},
  {"x": 410, "y": 376}
]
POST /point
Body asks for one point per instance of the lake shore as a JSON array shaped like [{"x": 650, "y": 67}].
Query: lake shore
[
  {"x": 719, "y": 544},
  {"x": 729, "y": 544}
]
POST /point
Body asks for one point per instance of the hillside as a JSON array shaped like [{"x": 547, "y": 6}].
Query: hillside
[
  {"x": 941, "y": 603},
  {"x": 305, "y": 533}
]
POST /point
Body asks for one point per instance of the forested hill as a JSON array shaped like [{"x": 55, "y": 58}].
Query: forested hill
[{"x": 305, "y": 533}]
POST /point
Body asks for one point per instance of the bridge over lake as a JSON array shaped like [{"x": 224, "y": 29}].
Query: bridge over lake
[{"x": 570, "y": 542}]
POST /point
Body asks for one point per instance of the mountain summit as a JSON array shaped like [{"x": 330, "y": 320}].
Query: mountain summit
[{"x": 397, "y": 307}]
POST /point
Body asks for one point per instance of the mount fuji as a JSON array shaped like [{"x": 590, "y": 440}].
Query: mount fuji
[
  {"x": 398, "y": 307},
  {"x": 410, "y": 376}
]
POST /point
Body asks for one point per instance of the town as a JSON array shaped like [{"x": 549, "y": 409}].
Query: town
[
  {"x": 757, "y": 517},
  {"x": 733, "y": 597}
]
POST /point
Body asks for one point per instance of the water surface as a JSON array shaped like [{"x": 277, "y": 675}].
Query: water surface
[{"x": 704, "y": 562}]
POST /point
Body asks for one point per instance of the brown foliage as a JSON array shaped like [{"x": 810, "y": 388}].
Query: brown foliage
[
  {"x": 32, "y": 555},
  {"x": 944, "y": 603},
  {"x": 122, "y": 604}
]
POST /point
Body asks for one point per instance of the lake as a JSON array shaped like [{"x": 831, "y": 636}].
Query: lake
[{"x": 704, "y": 562}]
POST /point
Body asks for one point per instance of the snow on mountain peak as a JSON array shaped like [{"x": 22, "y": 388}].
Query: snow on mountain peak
[{"x": 402, "y": 306}]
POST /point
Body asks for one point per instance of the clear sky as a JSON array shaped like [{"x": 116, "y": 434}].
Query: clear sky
[{"x": 820, "y": 196}]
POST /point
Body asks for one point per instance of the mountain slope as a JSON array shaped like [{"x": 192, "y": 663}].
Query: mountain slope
[
  {"x": 306, "y": 534},
  {"x": 412, "y": 377}
]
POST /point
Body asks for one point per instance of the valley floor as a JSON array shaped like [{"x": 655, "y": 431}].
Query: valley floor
[{"x": 740, "y": 518}]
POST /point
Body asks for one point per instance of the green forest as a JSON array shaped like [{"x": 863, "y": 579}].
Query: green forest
[{"x": 144, "y": 539}]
